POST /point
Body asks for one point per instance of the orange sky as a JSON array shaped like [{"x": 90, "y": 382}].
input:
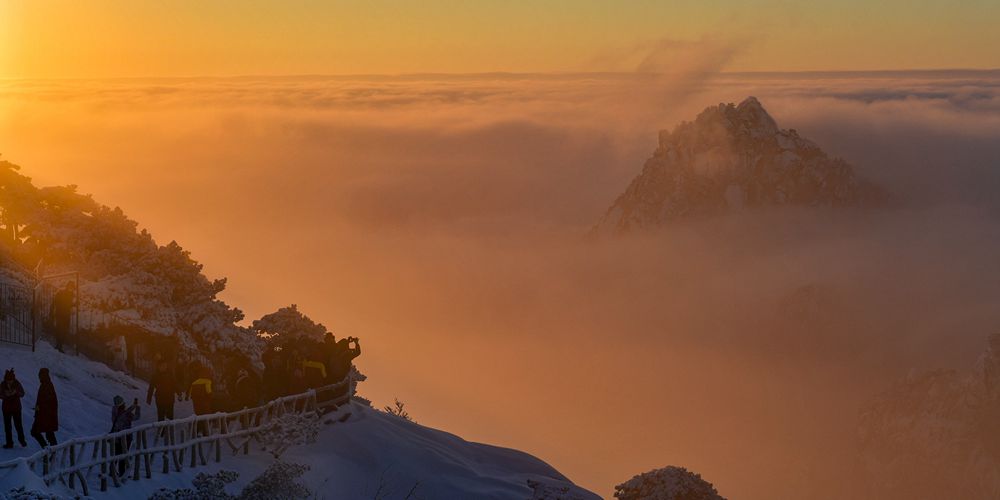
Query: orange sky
[
  {"x": 400, "y": 210},
  {"x": 109, "y": 38}
]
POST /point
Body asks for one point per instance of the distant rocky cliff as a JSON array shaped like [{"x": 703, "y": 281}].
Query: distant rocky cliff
[
  {"x": 731, "y": 158},
  {"x": 936, "y": 434}
]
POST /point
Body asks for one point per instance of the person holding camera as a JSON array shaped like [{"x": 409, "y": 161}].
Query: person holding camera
[
  {"x": 121, "y": 419},
  {"x": 340, "y": 362}
]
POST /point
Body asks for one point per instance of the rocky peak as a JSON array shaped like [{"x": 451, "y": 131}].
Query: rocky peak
[{"x": 732, "y": 157}]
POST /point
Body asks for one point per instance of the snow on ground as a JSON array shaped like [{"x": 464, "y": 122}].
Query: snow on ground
[
  {"x": 84, "y": 388},
  {"x": 349, "y": 460}
]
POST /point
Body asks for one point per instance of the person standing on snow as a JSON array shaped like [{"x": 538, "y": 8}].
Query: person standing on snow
[
  {"x": 314, "y": 372},
  {"x": 61, "y": 312},
  {"x": 341, "y": 362},
  {"x": 246, "y": 390},
  {"x": 274, "y": 380},
  {"x": 200, "y": 394},
  {"x": 11, "y": 392},
  {"x": 181, "y": 376},
  {"x": 164, "y": 386},
  {"x": 297, "y": 382},
  {"x": 46, "y": 411},
  {"x": 121, "y": 419}
]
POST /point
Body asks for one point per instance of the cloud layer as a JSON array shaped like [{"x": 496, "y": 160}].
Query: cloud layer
[{"x": 440, "y": 218}]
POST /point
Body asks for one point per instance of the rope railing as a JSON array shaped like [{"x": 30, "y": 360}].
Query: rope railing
[{"x": 176, "y": 443}]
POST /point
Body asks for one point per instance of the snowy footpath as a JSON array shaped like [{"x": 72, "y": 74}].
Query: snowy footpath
[{"x": 371, "y": 455}]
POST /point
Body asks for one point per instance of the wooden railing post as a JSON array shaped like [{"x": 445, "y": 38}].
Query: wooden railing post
[
  {"x": 135, "y": 458},
  {"x": 148, "y": 456},
  {"x": 223, "y": 429},
  {"x": 72, "y": 462},
  {"x": 104, "y": 465}
]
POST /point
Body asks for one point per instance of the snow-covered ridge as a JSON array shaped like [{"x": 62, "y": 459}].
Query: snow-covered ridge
[
  {"x": 733, "y": 157},
  {"x": 353, "y": 459}
]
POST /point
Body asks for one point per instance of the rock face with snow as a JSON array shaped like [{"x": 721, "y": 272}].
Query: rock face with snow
[
  {"x": 733, "y": 158},
  {"x": 936, "y": 434}
]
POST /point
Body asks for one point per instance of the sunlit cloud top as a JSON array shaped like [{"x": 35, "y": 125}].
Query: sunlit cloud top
[{"x": 108, "y": 38}]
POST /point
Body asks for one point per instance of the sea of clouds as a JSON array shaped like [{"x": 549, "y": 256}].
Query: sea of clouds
[{"x": 441, "y": 218}]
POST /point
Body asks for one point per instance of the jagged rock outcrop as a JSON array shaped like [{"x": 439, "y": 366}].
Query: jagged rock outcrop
[
  {"x": 668, "y": 483},
  {"x": 936, "y": 434},
  {"x": 730, "y": 158}
]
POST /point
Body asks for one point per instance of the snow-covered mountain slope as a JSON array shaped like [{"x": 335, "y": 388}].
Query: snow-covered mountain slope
[
  {"x": 85, "y": 390},
  {"x": 730, "y": 158},
  {"x": 936, "y": 434},
  {"x": 353, "y": 459}
]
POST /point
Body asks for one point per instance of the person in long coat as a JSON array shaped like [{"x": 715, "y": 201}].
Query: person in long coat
[
  {"x": 46, "y": 411},
  {"x": 164, "y": 387},
  {"x": 61, "y": 312},
  {"x": 11, "y": 391}
]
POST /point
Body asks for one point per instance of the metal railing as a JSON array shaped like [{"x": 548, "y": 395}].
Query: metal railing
[
  {"x": 190, "y": 442},
  {"x": 16, "y": 318}
]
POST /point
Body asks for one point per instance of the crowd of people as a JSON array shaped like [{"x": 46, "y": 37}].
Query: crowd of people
[
  {"x": 304, "y": 364},
  {"x": 290, "y": 368}
]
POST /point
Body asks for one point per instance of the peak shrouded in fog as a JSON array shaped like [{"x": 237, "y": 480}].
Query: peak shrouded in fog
[
  {"x": 730, "y": 158},
  {"x": 443, "y": 220}
]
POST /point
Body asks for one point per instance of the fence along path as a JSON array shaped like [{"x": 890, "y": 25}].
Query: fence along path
[{"x": 175, "y": 444}]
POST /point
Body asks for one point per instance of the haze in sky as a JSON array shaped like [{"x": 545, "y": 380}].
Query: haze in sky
[{"x": 116, "y": 38}]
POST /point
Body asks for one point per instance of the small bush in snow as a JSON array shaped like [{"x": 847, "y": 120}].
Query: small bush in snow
[
  {"x": 398, "y": 409},
  {"x": 289, "y": 430},
  {"x": 668, "y": 483},
  {"x": 278, "y": 482},
  {"x": 206, "y": 487},
  {"x": 21, "y": 493},
  {"x": 542, "y": 491}
]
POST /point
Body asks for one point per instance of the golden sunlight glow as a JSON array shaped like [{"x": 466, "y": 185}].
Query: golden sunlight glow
[{"x": 107, "y": 38}]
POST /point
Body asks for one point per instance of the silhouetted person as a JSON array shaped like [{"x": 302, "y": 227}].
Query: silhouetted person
[
  {"x": 329, "y": 349},
  {"x": 191, "y": 374},
  {"x": 274, "y": 380},
  {"x": 61, "y": 311},
  {"x": 121, "y": 419},
  {"x": 180, "y": 377},
  {"x": 46, "y": 411},
  {"x": 246, "y": 390},
  {"x": 200, "y": 394},
  {"x": 297, "y": 382},
  {"x": 341, "y": 362},
  {"x": 164, "y": 387},
  {"x": 314, "y": 373},
  {"x": 11, "y": 392}
]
